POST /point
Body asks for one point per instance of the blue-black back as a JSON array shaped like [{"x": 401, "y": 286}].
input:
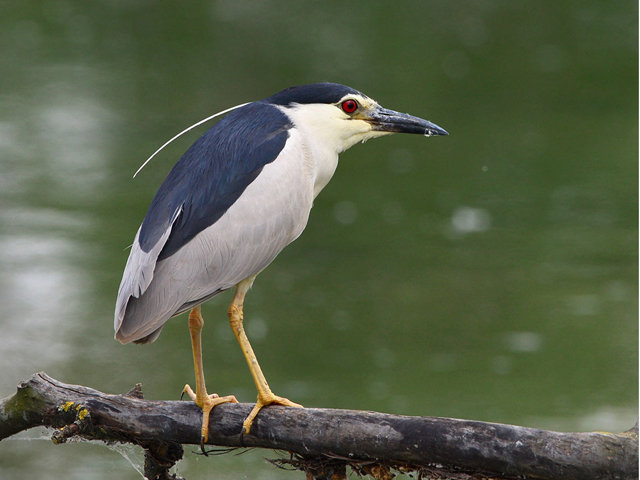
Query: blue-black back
[{"x": 213, "y": 173}]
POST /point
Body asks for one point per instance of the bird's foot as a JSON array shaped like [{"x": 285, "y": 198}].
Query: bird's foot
[
  {"x": 206, "y": 402},
  {"x": 264, "y": 400}
]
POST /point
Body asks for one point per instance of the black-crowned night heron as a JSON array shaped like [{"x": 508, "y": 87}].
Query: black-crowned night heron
[{"x": 236, "y": 198}]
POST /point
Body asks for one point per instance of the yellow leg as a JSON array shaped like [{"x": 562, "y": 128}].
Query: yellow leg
[
  {"x": 205, "y": 401},
  {"x": 265, "y": 395}
]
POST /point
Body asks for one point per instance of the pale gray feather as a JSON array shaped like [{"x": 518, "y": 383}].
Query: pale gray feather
[{"x": 139, "y": 271}]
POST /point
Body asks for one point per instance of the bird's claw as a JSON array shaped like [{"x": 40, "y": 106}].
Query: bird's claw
[
  {"x": 206, "y": 402},
  {"x": 263, "y": 401},
  {"x": 202, "y": 440}
]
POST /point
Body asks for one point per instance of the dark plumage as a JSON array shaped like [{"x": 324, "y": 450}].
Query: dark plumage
[
  {"x": 314, "y": 93},
  {"x": 213, "y": 173}
]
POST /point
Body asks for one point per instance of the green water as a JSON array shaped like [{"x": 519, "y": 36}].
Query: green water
[{"x": 488, "y": 275}]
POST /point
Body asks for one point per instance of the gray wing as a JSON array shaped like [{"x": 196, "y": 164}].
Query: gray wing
[
  {"x": 138, "y": 272},
  {"x": 270, "y": 214}
]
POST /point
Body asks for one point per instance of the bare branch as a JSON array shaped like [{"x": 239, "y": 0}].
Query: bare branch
[{"x": 323, "y": 441}]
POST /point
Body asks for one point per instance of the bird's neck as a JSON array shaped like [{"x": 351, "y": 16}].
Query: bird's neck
[
  {"x": 320, "y": 144},
  {"x": 320, "y": 161},
  {"x": 325, "y": 168}
]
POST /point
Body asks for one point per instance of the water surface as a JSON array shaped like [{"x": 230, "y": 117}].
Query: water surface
[{"x": 488, "y": 275}]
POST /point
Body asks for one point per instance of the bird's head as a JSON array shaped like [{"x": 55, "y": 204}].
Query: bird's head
[{"x": 341, "y": 116}]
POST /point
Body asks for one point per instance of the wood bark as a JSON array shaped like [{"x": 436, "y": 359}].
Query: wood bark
[{"x": 323, "y": 442}]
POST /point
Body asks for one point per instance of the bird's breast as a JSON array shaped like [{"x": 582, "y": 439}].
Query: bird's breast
[{"x": 318, "y": 160}]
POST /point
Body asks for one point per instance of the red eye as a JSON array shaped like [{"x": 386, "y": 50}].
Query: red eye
[{"x": 349, "y": 106}]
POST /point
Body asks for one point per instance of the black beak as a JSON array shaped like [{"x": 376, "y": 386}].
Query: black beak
[{"x": 384, "y": 120}]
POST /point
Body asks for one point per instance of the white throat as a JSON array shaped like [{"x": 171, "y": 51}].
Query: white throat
[{"x": 325, "y": 131}]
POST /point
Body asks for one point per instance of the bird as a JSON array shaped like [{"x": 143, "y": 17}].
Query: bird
[{"x": 238, "y": 196}]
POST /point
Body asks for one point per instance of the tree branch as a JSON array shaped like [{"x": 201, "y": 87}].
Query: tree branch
[{"x": 323, "y": 441}]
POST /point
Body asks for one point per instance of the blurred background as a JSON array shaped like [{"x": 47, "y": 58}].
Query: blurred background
[{"x": 488, "y": 275}]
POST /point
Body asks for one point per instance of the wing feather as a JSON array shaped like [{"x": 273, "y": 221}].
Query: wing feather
[{"x": 139, "y": 271}]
